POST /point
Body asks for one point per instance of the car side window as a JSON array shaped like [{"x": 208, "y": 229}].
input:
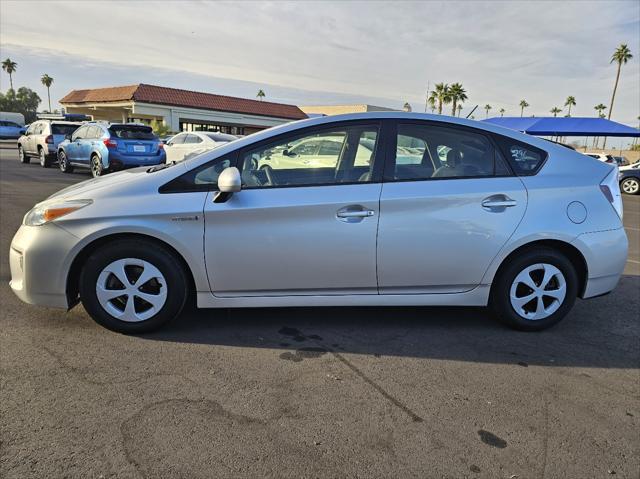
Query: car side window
[
  {"x": 38, "y": 129},
  {"x": 524, "y": 159},
  {"x": 192, "y": 139},
  {"x": 202, "y": 178},
  {"x": 301, "y": 159},
  {"x": 79, "y": 134},
  {"x": 178, "y": 139},
  {"x": 437, "y": 152}
]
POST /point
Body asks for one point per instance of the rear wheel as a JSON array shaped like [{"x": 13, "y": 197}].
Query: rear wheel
[
  {"x": 535, "y": 291},
  {"x": 133, "y": 286},
  {"x": 45, "y": 162},
  {"x": 63, "y": 162},
  {"x": 22, "y": 156},
  {"x": 630, "y": 186},
  {"x": 96, "y": 166}
]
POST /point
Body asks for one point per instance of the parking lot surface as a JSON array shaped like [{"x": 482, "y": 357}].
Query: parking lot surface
[{"x": 317, "y": 392}]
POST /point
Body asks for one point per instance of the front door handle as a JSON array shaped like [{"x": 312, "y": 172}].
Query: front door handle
[
  {"x": 498, "y": 201},
  {"x": 354, "y": 213}
]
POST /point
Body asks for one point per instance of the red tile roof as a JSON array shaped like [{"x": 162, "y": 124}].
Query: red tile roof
[{"x": 192, "y": 99}]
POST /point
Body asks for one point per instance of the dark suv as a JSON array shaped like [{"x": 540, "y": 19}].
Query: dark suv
[{"x": 106, "y": 147}]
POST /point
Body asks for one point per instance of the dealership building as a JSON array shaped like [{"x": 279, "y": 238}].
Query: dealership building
[{"x": 179, "y": 110}]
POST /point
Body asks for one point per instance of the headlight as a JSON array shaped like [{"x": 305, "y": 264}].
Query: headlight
[{"x": 45, "y": 212}]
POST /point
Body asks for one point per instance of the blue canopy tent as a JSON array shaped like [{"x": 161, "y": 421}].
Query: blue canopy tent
[{"x": 552, "y": 126}]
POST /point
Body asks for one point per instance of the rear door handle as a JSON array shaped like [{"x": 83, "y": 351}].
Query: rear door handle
[
  {"x": 355, "y": 214},
  {"x": 498, "y": 201}
]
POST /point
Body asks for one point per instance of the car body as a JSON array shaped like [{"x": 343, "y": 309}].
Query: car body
[
  {"x": 601, "y": 157},
  {"x": 482, "y": 216},
  {"x": 106, "y": 147},
  {"x": 10, "y": 130},
  {"x": 42, "y": 138},
  {"x": 630, "y": 180},
  {"x": 633, "y": 166},
  {"x": 188, "y": 143}
]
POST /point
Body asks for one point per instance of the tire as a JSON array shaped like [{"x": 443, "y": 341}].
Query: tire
[
  {"x": 166, "y": 286},
  {"x": 96, "y": 167},
  {"x": 630, "y": 185},
  {"x": 63, "y": 162},
  {"x": 45, "y": 162},
  {"x": 509, "y": 291},
  {"x": 22, "y": 156}
]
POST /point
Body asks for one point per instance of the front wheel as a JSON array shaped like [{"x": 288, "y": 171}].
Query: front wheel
[
  {"x": 22, "y": 156},
  {"x": 133, "y": 286},
  {"x": 535, "y": 290},
  {"x": 631, "y": 185},
  {"x": 63, "y": 162}
]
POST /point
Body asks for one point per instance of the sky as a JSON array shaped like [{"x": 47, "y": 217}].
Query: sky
[{"x": 325, "y": 52}]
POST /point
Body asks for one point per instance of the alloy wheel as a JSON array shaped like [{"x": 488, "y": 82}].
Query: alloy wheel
[
  {"x": 96, "y": 167},
  {"x": 131, "y": 289},
  {"x": 538, "y": 291},
  {"x": 631, "y": 186}
]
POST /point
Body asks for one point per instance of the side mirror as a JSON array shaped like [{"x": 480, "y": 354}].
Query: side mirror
[
  {"x": 67, "y": 136},
  {"x": 229, "y": 182}
]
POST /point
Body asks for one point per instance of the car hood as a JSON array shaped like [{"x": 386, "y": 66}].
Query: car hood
[{"x": 86, "y": 189}]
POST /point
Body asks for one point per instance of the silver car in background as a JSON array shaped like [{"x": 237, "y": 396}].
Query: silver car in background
[
  {"x": 444, "y": 211},
  {"x": 42, "y": 138}
]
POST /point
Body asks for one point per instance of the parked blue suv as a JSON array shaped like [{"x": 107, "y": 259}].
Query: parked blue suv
[{"x": 106, "y": 147}]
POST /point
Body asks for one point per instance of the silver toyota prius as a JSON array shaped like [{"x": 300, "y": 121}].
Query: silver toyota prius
[{"x": 377, "y": 209}]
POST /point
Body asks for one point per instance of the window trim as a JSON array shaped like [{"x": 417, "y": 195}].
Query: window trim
[
  {"x": 378, "y": 154},
  {"x": 389, "y": 166}
]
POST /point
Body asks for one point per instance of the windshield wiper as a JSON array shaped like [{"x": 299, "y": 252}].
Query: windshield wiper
[{"x": 161, "y": 167}]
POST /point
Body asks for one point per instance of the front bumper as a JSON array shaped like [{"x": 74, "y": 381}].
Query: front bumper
[
  {"x": 606, "y": 255},
  {"x": 39, "y": 259}
]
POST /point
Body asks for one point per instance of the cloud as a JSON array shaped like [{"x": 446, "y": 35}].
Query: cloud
[{"x": 501, "y": 51}]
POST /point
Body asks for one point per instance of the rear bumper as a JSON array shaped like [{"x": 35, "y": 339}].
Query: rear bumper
[
  {"x": 118, "y": 161},
  {"x": 606, "y": 255}
]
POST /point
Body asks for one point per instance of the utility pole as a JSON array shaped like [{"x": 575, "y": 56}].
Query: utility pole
[{"x": 426, "y": 100}]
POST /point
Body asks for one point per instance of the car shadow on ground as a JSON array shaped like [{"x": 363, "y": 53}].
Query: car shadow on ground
[{"x": 591, "y": 336}]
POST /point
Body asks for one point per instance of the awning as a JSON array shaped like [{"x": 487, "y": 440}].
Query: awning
[{"x": 552, "y": 126}]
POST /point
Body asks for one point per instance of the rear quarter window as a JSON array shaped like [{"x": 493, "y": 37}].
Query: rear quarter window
[{"x": 523, "y": 158}]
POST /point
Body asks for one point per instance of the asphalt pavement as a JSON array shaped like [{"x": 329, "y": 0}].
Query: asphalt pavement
[{"x": 315, "y": 392}]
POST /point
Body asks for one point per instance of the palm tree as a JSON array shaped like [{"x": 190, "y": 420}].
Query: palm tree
[
  {"x": 502, "y": 111},
  {"x": 523, "y": 105},
  {"x": 407, "y": 107},
  {"x": 440, "y": 96},
  {"x": 555, "y": 110},
  {"x": 621, "y": 56},
  {"x": 47, "y": 81},
  {"x": 487, "y": 107},
  {"x": 260, "y": 95},
  {"x": 599, "y": 108},
  {"x": 459, "y": 107},
  {"x": 458, "y": 95},
  {"x": 10, "y": 67},
  {"x": 571, "y": 101}
]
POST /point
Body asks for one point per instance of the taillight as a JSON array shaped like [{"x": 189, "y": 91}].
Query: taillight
[
  {"x": 109, "y": 143},
  {"x": 49, "y": 140},
  {"x": 611, "y": 190}
]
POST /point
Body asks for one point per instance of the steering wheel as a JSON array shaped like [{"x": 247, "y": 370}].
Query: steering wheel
[{"x": 268, "y": 173}]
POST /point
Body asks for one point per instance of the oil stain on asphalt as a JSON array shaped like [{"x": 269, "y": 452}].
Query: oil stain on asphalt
[{"x": 491, "y": 439}]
